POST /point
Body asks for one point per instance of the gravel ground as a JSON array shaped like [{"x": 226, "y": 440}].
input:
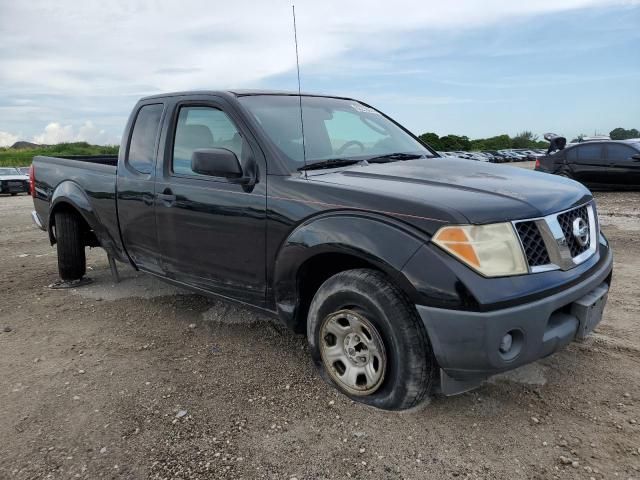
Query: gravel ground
[{"x": 140, "y": 380}]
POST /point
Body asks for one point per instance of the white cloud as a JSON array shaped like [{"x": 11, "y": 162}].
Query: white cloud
[
  {"x": 78, "y": 52},
  {"x": 7, "y": 139},
  {"x": 57, "y": 133},
  {"x": 138, "y": 47}
]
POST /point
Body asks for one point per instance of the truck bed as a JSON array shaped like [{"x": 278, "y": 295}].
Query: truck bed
[{"x": 89, "y": 180}]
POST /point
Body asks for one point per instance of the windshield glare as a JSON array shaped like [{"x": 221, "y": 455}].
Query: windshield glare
[
  {"x": 8, "y": 171},
  {"x": 333, "y": 128}
]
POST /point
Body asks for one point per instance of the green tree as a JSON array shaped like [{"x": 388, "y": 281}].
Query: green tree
[
  {"x": 496, "y": 143},
  {"x": 23, "y": 156},
  {"x": 524, "y": 139},
  {"x": 447, "y": 143},
  {"x": 455, "y": 142},
  {"x": 432, "y": 140},
  {"x": 623, "y": 134}
]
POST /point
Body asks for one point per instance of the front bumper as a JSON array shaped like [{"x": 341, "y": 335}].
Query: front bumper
[
  {"x": 14, "y": 186},
  {"x": 467, "y": 344}
]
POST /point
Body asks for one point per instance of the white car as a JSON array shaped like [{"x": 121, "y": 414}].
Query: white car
[{"x": 12, "y": 181}]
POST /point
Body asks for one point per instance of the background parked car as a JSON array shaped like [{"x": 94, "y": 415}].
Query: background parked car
[
  {"x": 498, "y": 156},
  {"x": 495, "y": 156},
  {"x": 612, "y": 163},
  {"x": 512, "y": 155},
  {"x": 528, "y": 154},
  {"x": 12, "y": 181},
  {"x": 478, "y": 156}
]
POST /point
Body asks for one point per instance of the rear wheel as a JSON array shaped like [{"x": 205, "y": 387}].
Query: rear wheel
[
  {"x": 71, "y": 256},
  {"x": 367, "y": 339}
]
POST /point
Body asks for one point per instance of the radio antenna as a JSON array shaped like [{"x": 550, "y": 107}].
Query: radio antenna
[{"x": 295, "y": 38}]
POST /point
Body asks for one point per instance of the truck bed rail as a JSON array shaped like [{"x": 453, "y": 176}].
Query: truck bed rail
[{"x": 99, "y": 159}]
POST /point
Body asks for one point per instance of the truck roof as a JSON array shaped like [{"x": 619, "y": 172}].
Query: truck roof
[{"x": 241, "y": 93}]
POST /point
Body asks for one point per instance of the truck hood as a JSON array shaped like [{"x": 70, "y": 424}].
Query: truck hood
[{"x": 457, "y": 190}]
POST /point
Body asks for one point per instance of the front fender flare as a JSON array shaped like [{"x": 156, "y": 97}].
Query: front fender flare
[{"x": 377, "y": 240}]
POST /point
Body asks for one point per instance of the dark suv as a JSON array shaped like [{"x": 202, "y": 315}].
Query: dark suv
[{"x": 599, "y": 164}]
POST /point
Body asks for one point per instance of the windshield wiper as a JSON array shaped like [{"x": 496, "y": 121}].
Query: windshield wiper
[
  {"x": 330, "y": 163},
  {"x": 390, "y": 157},
  {"x": 341, "y": 162}
]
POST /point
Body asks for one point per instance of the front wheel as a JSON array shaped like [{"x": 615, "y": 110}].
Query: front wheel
[{"x": 367, "y": 339}]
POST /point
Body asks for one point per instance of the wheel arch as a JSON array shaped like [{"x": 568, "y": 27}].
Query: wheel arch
[
  {"x": 69, "y": 196},
  {"x": 328, "y": 244}
]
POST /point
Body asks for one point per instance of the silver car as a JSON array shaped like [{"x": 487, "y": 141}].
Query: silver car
[{"x": 12, "y": 181}]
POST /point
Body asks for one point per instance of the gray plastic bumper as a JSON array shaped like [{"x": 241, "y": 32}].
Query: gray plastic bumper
[{"x": 467, "y": 344}]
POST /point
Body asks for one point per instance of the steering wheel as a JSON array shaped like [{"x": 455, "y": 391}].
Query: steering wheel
[{"x": 348, "y": 144}]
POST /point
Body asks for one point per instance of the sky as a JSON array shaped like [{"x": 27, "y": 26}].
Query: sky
[{"x": 71, "y": 70}]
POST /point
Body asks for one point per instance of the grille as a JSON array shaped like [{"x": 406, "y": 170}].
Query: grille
[
  {"x": 534, "y": 247},
  {"x": 566, "y": 223}
]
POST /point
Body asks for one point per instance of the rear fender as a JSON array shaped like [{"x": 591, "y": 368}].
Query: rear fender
[{"x": 69, "y": 194}]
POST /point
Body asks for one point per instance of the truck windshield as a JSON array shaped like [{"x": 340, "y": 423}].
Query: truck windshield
[{"x": 333, "y": 129}]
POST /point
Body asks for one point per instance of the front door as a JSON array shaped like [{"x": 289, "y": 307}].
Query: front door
[
  {"x": 211, "y": 231},
  {"x": 625, "y": 170},
  {"x": 591, "y": 165}
]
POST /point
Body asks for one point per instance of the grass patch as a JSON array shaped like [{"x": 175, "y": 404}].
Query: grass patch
[{"x": 21, "y": 157}]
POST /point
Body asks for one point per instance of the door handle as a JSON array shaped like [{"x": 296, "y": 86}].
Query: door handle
[
  {"x": 168, "y": 198},
  {"x": 147, "y": 199}
]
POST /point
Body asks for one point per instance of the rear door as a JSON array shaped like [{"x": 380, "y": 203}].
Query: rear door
[
  {"x": 625, "y": 170},
  {"x": 136, "y": 186},
  {"x": 590, "y": 164},
  {"x": 211, "y": 231}
]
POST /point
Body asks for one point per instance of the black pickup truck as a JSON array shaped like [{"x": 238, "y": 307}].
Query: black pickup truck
[{"x": 410, "y": 273}]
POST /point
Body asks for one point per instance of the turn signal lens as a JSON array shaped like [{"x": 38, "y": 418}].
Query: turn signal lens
[{"x": 492, "y": 250}]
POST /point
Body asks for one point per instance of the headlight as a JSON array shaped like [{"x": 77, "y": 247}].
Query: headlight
[{"x": 492, "y": 250}]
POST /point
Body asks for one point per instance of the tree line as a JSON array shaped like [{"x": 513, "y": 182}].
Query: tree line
[
  {"x": 526, "y": 139},
  {"x": 17, "y": 156}
]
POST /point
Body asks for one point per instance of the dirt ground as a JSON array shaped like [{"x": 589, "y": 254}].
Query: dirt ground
[{"x": 140, "y": 380}]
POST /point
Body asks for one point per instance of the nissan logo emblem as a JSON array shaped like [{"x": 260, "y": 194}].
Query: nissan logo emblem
[{"x": 581, "y": 231}]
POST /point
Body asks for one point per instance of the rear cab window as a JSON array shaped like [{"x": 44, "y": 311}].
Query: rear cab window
[{"x": 142, "y": 147}]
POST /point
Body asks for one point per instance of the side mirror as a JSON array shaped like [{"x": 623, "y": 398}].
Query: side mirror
[{"x": 216, "y": 162}]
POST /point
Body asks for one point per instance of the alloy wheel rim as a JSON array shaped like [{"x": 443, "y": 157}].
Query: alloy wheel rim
[{"x": 353, "y": 352}]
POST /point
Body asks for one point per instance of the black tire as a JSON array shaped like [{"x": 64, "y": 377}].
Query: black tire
[
  {"x": 410, "y": 365},
  {"x": 565, "y": 174},
  {"x": 13, "y": 194},
  {"x": 72, "y": 263}
]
